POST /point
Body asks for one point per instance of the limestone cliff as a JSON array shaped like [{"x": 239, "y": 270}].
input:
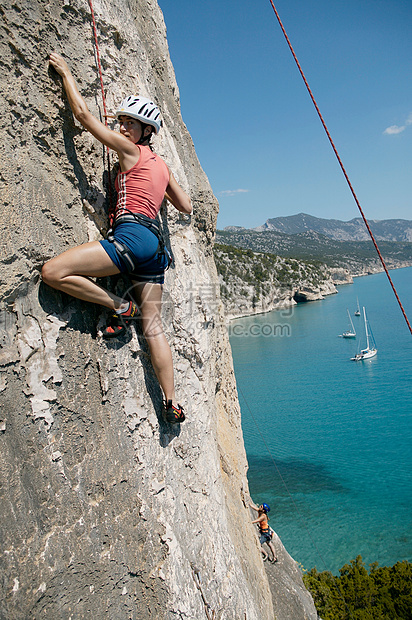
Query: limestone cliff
[
  {"x": 257, "y": 282},
  {"x": 105, "y": 511}
]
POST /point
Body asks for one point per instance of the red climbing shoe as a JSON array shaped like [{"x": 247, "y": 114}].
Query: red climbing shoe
[
  {"x": 119, "y": 322},
  {"x": 172, "y": 414}
]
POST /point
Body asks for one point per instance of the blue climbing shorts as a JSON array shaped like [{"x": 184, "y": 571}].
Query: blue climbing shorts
[
  {"x": 144, "y": 245},
  {"x": 265, "y": 538}
]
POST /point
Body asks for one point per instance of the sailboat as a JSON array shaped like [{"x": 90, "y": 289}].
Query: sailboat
[
  {"x": 350, "y": 333},
  {"x": 357, "y": 311},
  {"x": 370, "y": 350}
]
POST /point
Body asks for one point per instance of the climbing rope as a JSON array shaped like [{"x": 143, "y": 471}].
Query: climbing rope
[
  {"x": 341, "y": 164},
  {"x": 99, "y": 66}
]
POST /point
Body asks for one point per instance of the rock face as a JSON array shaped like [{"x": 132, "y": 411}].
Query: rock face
[
  {"x": 255, "y": 282},
  {"x": 107, "y": 512},
  {"x": 290, "y": 600},
  {"x": 341, "y": 276}
]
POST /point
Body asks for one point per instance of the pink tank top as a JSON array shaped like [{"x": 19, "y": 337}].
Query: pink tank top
[{"x": 142, "y": 188}]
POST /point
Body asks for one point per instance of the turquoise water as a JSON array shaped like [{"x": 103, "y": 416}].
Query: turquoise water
[{"x": 329, "y": 440}]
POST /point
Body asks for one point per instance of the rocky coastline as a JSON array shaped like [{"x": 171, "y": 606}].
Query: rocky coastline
[{"x": 254, "y": 283}]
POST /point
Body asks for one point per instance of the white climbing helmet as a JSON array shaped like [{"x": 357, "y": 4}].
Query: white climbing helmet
[{"x": 141, "y": 108}]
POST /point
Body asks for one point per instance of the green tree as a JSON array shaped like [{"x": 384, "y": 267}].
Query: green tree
[{"x": 385, "y": 593}]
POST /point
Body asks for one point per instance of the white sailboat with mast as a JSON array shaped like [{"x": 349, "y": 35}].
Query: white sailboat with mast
[
  {"x": 370, "y": 350},
  {"x": 357, "y": 311},
  {"x": 350, "y": 332}
]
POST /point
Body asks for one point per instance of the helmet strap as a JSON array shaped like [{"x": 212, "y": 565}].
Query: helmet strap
[{"x": 144, "y": 140}]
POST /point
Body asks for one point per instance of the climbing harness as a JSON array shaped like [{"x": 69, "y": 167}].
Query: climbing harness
[
  {"x": 341, "y": 164},
  {"x": 271, "y": 532},
  {"x": 123, "y": 250}
]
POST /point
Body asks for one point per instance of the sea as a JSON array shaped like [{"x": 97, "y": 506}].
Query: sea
[{"x": 328, "y": 439}]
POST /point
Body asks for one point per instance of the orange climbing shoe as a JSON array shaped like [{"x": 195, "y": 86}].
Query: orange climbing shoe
[
  {"x": 120, "y": 321},
  {"x": 172, "y": 414}
]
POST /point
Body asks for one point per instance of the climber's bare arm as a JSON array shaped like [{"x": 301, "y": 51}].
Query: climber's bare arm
[
  {"x": 112, "y": 139},
  {"x": 178, "y": 197},
  {"x": 261, "y": 518}
]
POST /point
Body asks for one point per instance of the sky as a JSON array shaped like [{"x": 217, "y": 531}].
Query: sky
[{"x": 255, "y": 129}]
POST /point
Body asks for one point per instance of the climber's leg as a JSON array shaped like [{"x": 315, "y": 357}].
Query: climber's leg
[
  {"x": 149, "y": 300},
  {"x": 71, "y": 272}
]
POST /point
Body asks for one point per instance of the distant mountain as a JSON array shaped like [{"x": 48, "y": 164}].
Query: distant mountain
[
  {"x": 359, "y": 257},
  {"x": 354, "y": 230},
  {"x": 234, "y": 228}
]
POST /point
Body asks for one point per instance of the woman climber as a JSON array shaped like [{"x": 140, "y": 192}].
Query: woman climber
[
  {"x": 265, "y": 531},
  {"x": 134, "y": 245}
]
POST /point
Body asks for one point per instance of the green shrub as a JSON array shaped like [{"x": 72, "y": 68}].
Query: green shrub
[{"x": 384, "y": 593}]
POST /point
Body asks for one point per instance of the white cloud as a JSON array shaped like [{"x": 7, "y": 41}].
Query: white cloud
[
  {"x": 395, "y": 129},
  {"x": 233, "y": 192}
]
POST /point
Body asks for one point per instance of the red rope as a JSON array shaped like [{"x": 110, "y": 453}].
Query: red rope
[
  {"x": 341, "y": 164},
  {"x": 104, "y": 106}
]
